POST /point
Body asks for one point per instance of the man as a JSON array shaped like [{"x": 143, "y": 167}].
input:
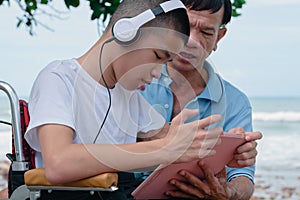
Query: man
[{"x": 190, "y": 82}]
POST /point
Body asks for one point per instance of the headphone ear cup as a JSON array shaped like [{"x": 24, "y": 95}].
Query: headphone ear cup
[
  {"x": 130, "y": 42},
  {"x": 125, "y": 32}
]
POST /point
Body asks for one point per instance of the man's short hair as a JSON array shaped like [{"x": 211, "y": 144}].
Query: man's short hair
[
  {"x": 213, "y": 6},
  {"x": 176, "y": 19}
]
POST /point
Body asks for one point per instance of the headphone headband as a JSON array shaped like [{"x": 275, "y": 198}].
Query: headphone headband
[
  {"x": 126, "y": 30},
  {"x": 171, "y": 5}
]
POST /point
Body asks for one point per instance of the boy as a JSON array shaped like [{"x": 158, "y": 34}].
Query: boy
[{"x": 85, "y": 112}]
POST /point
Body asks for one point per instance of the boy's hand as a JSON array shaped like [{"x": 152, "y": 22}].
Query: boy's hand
[{"x": 189, "y": 141}]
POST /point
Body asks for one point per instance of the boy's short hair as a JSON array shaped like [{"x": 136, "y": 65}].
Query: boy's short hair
[
  {"x": 176, "y": 19},
  {"x": 213, "y": 6}
]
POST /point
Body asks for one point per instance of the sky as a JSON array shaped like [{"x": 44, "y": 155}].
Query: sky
[{"x": 259, "y": 54}]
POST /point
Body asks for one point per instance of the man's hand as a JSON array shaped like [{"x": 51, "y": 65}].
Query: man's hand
[
  {"x": 246, "y": 153},
  {"x": 213, "y": 187}
]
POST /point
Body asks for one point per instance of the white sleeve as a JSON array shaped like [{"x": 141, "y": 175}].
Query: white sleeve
[{"x": 50, "y": 102}]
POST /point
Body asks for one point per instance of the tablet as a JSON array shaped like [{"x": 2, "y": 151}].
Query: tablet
[{"x": 157, "y": 184}]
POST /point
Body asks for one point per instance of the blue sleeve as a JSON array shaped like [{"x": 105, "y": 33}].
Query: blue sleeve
[
  {"x": 236, "y": 172},
  {"x": 240, "y": 115}
]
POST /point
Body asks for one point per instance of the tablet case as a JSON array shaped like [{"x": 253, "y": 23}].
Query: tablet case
[{"x": 157, "y": 184}]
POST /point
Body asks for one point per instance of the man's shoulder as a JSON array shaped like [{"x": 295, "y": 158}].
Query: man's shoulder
[{"x": 234, "y": 94}]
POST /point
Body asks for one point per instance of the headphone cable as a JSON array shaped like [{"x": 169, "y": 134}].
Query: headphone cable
[{"x": 106, "y": 85}]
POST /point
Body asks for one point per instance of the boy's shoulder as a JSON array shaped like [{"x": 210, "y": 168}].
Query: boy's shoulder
[
  {"x": 62, "y": 65},
  {"x": 60, "y": 68}
]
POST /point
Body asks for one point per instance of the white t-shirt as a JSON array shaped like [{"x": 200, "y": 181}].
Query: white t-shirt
[{"x": 64, "y": 93}]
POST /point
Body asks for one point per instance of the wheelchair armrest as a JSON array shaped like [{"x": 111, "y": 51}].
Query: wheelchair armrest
[{"x": 37, "y": 177}]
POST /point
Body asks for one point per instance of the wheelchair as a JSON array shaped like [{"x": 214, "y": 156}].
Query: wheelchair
[{"x": 27, "y": 182}]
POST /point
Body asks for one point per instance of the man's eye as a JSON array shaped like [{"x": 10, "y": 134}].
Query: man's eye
[{"x": 207, "y": 33}]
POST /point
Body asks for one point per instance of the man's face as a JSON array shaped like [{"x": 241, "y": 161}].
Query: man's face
[{"x": 205, "y": 33}]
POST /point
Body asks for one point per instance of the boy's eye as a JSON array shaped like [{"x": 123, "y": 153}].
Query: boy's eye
[
  {"x": 163, "y": 56},
  {"x": 157, "y": 56}
]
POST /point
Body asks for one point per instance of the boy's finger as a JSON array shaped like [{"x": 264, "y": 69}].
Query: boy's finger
[
  {"x": 214, "y": 133},
  {"x": 236, "y": 130},
  {"x": 208, "y": 121}
]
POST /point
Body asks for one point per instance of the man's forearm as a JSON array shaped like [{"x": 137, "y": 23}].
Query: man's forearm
[{"x": 241, "y": 188}]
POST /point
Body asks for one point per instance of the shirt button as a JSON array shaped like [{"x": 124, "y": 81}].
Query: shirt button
[
  {"x": 165, "y": 79},
  {"x": 166, "y": 105}
]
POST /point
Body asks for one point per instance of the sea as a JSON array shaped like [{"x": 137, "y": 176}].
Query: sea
[{"x": 278, "y": 161}]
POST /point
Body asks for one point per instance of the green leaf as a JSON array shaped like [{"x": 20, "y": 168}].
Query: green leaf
[
  {"x": 103, "y": 8},
  {"x": 31, "y": 5},
  {"x": 74, "y": 3},
  {"x": 20, "y": 21},
  {"x": 235, "y": 13},
  {"x": 44, "y": 1},
  {"x": 28, "y": 22},
  {"x": 95, "y": 15},
  {"x": 105, "y": 14},
  {"x": 238, "y": 3}
]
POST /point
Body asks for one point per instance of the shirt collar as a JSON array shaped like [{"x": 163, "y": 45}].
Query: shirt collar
[{"x": 214, "y": 88}]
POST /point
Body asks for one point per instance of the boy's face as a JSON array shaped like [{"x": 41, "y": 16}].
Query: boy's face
[{"x": 143, "y": 61}]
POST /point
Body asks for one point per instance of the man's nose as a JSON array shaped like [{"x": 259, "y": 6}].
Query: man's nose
[{"x": 193, "y": 41}]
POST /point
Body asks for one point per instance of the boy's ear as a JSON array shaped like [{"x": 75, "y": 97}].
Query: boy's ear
[{"x": 221, "y": 34}]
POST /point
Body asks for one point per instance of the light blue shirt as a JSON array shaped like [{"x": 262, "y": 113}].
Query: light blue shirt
[{"x": 218, "y": 97}]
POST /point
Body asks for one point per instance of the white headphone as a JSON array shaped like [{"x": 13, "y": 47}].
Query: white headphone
[{"x": 126, "y": 30}]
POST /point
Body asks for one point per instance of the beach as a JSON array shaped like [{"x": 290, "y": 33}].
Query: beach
[{"x": 278, "y": 162}]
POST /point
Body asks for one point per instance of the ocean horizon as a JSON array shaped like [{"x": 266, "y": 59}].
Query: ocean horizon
[{"x": 278, "y": 161}]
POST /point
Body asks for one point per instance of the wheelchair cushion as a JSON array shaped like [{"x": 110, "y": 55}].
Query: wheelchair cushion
[{"x": 37, "y": 177}]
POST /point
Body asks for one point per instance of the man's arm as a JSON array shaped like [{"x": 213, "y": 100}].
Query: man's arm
[{"x": 241, "y": 188}]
